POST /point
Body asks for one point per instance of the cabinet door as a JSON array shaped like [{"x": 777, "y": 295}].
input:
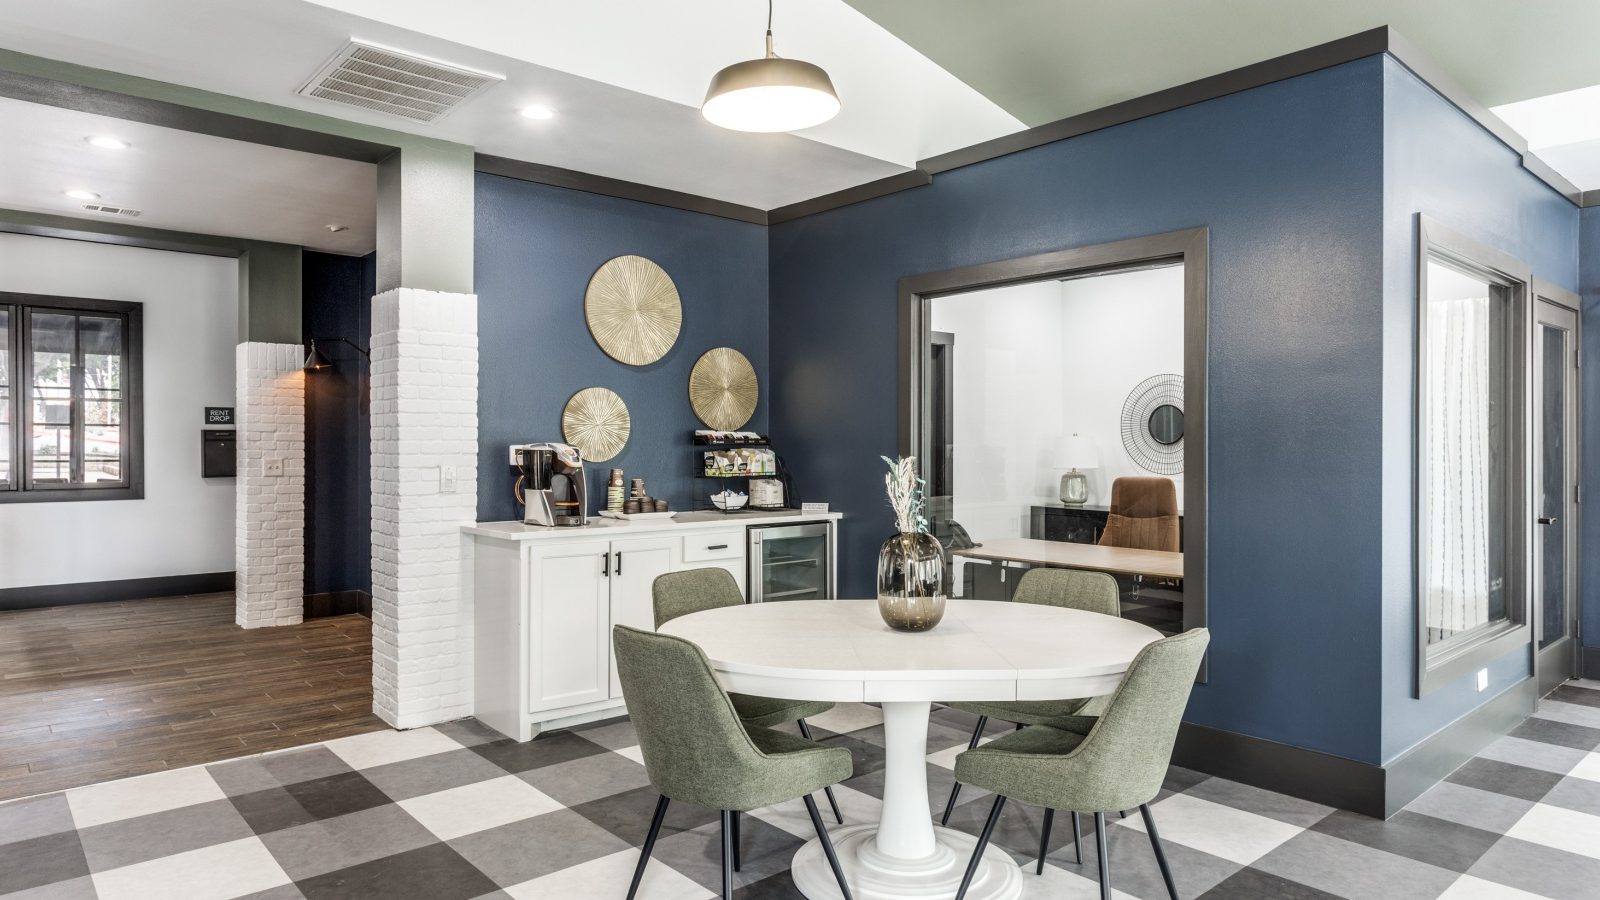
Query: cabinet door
[
  {"x": 634, "y": 567},
  {"x": 569, "y": 625}
]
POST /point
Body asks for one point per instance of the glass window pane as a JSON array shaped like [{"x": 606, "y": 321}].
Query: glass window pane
[
  {"x": 1552, "y": 535},
  {"x": 52, "y": 341},
  {"x": 6, "y": 476},
  {"x": 101, "y": 341},
  {"x": 102, "y": 441},
  {"x": 1465, "y": 441}
]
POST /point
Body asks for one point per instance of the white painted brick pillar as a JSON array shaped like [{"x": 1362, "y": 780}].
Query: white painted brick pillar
[
  {"x": 424, "y": 425},
  {"x": 270, "y": 500}
]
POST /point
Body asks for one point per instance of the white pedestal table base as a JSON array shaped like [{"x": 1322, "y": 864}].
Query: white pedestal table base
[{"x": 904, "y": 855}]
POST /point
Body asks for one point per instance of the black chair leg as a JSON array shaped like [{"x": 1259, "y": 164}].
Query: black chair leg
[
  {"x": 1044, "y": 839},
  {"x": 1105, "y": 861},
  {"x": 977, "y": 850},
  {"x": 649, "y": 844},
  {"x": 950, "y": 805},
  {"x": 1077, "y": 839},
  {"x": 736, "y": 843},
  {"x": 827, "y": 846},
  {"x": 805, "y": 732},
  {"x": 727, "y": 855},
  {"x": 1161, "y": 858}
]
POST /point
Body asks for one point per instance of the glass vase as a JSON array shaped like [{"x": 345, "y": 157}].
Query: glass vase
[{"x": 911, "y": 585}]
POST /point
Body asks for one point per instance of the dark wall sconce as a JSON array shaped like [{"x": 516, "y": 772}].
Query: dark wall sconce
[{"x": 316, "y": 362}]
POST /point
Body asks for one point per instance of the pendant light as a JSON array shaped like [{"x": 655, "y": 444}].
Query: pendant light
[{"x": 770, "y": 94}]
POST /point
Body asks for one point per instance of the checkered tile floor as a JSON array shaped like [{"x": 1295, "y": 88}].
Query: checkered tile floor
[{"x": 454, "y": 812}]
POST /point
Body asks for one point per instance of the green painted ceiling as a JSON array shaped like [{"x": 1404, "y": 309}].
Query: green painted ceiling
[{"x": 1044, "y": 60}]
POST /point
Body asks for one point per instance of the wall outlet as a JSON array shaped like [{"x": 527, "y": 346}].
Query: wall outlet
[
  {"x": 1483, "y": 680},
  {"x": 447, "y": 479},
  {"x": 272, "y": 468}
]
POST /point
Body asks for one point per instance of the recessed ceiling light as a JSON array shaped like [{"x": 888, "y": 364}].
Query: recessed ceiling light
[
  {"x": 538, "y": 111},
  {"x": 81, "y": 194},
  {"x": 107, "y": 142},
  {"x": 336, "y": 228}
]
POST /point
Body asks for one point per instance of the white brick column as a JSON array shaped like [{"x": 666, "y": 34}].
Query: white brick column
[
  {"x": 270, "y": 500},
  {"x": 424, "y": 429}
]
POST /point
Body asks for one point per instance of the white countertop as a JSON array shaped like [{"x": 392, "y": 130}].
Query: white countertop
[{"x": 606, "y": 528}]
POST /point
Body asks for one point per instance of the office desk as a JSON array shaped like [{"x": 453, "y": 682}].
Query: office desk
[{"x": 1091, "y": 557}]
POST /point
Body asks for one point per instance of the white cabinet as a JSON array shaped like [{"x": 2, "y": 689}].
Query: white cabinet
[
  {"x": 544, "y": 602},
  {"x": 569, "y": 627},
  {"x": 634, "y": 566}
]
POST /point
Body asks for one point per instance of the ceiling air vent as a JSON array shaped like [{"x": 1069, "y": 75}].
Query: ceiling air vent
[
  {"x": 111, "y": 210},
  {"x": 370, "y": 76}
]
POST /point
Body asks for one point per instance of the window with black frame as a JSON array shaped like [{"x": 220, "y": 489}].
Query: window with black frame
[{"x": 69, "y": 399}]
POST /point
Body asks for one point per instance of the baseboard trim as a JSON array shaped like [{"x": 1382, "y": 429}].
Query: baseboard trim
[
  {"x": 1307, "y": 774},
  {"x": 40, "y": 596},
  {"x": 1589, "y": 663},
  {"x": 1426, "y": 764},
  {"x": 338, "y": 603},
  {"x": 1366, "y": 788}
]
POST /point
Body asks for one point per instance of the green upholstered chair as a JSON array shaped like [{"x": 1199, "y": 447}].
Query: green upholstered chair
[
  {"x": 1066, "y": 588},
  {"x": 1096, "y": 764},
  {"x": 697, "y": 750},
  {"x": 680, "y": 593}
]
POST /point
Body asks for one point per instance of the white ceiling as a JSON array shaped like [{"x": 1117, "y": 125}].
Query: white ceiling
[
  {"x": 898, "y": 107},
  {"x": 1563, "y": 129},
  {"x": 184, "y": 181}
]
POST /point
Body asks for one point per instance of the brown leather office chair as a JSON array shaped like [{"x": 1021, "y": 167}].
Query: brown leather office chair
[{"x": 1144, "y": 514}]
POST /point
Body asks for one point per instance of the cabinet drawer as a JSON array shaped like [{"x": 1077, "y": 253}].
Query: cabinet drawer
[{"x": 713, "y": 545}]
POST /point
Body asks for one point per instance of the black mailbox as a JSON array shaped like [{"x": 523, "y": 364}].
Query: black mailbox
[{"x": 217, "y": 456}]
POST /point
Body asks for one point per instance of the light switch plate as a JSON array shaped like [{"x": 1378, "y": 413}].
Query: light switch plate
[
  {"x": 447, "y": 479},
  {"x": 1483, "y": 679},
  {"x": 272, "y": 468}
]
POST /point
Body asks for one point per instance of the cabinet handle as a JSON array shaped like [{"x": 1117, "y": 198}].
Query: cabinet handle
[
  {"x": 1547, "y": 520},
  {"x": 605, "y": 564},
  {"x": 619, "y": 562},
  {"x": 717, "y": 547}
]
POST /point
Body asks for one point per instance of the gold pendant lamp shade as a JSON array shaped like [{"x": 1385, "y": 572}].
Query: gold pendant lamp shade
[
  {"x": 723, "y": 389},
  {"x": 633, "y": 310},
  {"x": 770, "y": 94},
  {"x": 596, "y": 421}
]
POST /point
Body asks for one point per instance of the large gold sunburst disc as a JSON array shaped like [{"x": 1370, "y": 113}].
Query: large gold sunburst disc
[
  {"x": 723, "y": 389},
  {"x": 633, "y": 310},
  {"x": 596, "y": 421}
]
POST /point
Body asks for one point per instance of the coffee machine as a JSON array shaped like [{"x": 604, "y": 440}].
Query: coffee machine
[{"x": 551, "y": 488}]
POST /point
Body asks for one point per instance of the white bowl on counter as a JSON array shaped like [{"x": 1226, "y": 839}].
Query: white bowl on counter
[{"x": 727, "y": 500}]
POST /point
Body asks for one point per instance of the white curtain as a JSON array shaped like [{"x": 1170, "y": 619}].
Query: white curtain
[{"x": 1458, "y": 455}]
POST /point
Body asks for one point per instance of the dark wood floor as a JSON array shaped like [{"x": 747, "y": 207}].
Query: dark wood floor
[{"x": 106, "y": 690}]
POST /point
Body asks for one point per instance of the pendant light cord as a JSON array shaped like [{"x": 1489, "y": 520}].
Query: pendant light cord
[{"x": 770, "y": 54}]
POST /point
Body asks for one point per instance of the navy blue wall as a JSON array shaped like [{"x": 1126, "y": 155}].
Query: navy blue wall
[
  {"x": 1289, "y": 179},
  {"x": 1441, "y": 163},
  {"x": 336, "y": 301},
  {"x": 536, "y": 247},
  {"x": 1589, "y": 278}
]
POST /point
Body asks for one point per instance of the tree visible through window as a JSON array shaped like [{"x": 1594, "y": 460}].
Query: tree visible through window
[{"x": 69, "y": 399}]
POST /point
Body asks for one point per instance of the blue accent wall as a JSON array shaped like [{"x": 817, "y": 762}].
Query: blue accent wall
[
  {"x": 536, "y": 248},
  {"x": 1589, "y": 279},
  {"x": 336, "y": 301},
  {"x": 1289, "y": 180},
  {"x": 1441, "y": 163}
]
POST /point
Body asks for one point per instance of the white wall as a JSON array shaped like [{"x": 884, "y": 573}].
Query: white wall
[
  {"x": 184, "y": 524},
  {"x": 1121, "y": 329},
  {"x": 1035, "y": 363}
]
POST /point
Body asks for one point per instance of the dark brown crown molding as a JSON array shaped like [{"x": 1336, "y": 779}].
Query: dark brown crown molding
[
  {"x": 888, "y": 185},
  {"x": 615, "y": 187}
]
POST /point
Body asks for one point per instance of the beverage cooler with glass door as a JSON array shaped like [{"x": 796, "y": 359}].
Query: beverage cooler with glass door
[{"x": 792, "y": 562}]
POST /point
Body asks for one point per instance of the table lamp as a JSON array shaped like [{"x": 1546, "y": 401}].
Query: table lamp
[{"x": 1078, "y": 453}]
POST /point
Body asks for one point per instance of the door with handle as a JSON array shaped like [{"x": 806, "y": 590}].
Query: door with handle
[
  {"x": 635, "y": 564},
  {"x": 1555, "y": 489}
]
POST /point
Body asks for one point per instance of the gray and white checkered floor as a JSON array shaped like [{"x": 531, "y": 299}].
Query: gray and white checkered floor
[{"x": 455, "y": 812}]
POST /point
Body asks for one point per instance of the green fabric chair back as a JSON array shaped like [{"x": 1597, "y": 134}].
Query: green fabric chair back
[
  {"x": 680, "y": 593},
  {"x": 1070, "y": 589},
  {"x": 1130, "y": 745}
]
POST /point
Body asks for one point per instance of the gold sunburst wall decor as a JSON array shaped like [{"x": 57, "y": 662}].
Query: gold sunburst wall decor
[
  {"x": 596, "y": 421},
  {"x": 723, "y": 389},
  {"x": 633, "y": 310}
]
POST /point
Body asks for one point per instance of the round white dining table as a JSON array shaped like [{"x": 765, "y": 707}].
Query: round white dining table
[{"x": 841, "y": 650}]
